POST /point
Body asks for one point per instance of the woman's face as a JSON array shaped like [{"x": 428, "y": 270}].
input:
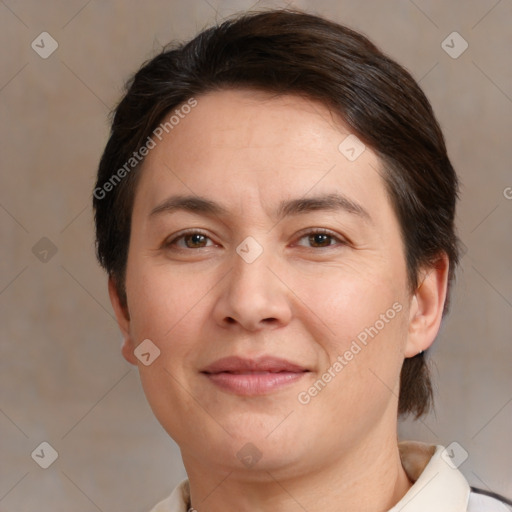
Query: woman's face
[{"x": 252, "y": 279}]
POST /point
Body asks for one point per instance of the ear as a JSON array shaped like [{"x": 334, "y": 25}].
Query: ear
[
  {"x": 123, "y": 319},
  {"x": 426, "y": 308}
]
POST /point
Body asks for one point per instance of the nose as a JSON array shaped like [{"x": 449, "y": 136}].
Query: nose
[{"x": 253, "y": 295}]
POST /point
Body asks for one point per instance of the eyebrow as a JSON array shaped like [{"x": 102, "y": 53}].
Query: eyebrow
[{"x": 328, "y": 202}]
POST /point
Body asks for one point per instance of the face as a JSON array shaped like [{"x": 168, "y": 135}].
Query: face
[{"x": 296, "y": 254}]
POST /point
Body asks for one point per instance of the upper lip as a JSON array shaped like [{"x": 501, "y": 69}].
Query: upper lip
[{"x": 264, "y": 363}]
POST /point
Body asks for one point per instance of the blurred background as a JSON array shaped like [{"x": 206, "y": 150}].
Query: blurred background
[{"x": 63, "y": 380}]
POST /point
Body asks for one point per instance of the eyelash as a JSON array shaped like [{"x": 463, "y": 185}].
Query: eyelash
[{"x": 311, "y": 232}]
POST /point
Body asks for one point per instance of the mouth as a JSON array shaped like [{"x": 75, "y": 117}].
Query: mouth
[
  {"x": 253, "y": 372},
  {"x": 254, "y": 383},
  {"x": 263, "y": 364},
  {"x": 249, "y": 377}
]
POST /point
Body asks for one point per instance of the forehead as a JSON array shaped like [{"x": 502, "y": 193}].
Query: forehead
[
  {"x": 250, "y": 146},
  {"x": 244, "y": 119}
]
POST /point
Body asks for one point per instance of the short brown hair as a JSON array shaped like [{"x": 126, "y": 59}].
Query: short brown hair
[{"x": 288, "y": 51}]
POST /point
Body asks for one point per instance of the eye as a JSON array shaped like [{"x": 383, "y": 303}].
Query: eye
[
  {"x": 192, "y": 240},
  {"x": 322, "y": 238}
]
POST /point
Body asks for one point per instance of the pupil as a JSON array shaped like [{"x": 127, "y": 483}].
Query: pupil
[
  {"x": 196, "y": 239},
  {"x": 319, "y": 238}
]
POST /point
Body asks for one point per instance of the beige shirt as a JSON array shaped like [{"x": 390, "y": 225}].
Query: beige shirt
[{"x": 438, "y": 486}]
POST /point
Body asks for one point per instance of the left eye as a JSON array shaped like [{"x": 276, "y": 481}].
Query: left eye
[{"x": 321, "y": 238}]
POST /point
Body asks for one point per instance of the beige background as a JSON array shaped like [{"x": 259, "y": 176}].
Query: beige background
[{"x": 62, "y": 378}]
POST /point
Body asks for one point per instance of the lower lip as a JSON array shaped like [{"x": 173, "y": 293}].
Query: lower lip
[{"x": 251, "y": 384}]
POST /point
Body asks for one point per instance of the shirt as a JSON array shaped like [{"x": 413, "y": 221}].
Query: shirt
[{"x": 438, "y": 486}]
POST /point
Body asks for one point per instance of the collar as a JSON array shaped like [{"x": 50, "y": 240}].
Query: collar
[{"x": 437, "y": 485}]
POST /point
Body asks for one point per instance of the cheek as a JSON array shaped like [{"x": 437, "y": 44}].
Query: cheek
[
  {"x": 161, "y": 301},
  {"x": 345, "y": 303},
  {"x": 332, "y": 305},
  {"x": 363, "y": 348},
  {"x": 165, "y": 309},
  {"x": 359, "y": 322}
]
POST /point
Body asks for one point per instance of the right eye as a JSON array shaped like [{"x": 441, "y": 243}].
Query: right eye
[{"x": 193, "y": 239}]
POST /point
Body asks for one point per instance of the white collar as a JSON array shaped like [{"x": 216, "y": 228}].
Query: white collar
[{"x": 437, "y": 485}]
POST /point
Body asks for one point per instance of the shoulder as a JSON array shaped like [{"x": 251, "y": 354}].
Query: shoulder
[{"x": 486, "y": 501}]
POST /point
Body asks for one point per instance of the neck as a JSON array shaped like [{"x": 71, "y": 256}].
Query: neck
[{"x": 369, "y": 478}]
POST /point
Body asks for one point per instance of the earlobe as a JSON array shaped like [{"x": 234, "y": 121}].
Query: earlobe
[
  {"x": 426, "y": 311},
  {"x": 123, "y": 320},
  {"x": 127, "y": 351}
]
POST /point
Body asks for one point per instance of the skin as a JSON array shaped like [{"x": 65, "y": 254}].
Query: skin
[{"x": 304, "y": 299}]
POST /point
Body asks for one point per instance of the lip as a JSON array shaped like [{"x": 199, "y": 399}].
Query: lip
[
  {"x": 261, "y": 364},
  {"x": 250, "y": 377}
]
